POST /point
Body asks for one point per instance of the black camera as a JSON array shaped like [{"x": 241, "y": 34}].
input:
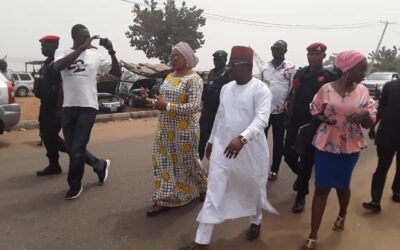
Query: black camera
[{"x": 103, "y": 41}]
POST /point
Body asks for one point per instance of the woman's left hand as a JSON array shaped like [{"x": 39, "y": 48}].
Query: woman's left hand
[
  {"x": 358, "y": 116},
  {"x": 160, "y": 105}
]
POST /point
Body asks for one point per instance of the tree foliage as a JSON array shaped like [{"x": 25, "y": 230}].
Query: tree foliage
[
  {"x": 156, "y": 30},
  {"x": 386, "y": 59}
]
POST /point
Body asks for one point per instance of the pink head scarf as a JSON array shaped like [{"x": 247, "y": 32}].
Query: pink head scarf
[
  {"x": 346, "y": 60},
  {"x": 187, "y": 53}
]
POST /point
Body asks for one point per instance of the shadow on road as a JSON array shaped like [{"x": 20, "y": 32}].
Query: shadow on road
[
  {"x": 42, "y": 203},
  {"x": 3, "y": 144},
  {"x": 130, "y": 224},
  {"x": 26, "y": 181}
]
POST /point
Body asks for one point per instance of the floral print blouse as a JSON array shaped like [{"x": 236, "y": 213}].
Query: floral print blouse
[{"x": 342, "y": 137}]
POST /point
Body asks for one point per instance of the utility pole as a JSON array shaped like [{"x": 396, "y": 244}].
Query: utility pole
[{"x": 379, "y": 45}]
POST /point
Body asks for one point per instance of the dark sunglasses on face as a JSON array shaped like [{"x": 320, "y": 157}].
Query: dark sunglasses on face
[{"x": 234, "y": 64}]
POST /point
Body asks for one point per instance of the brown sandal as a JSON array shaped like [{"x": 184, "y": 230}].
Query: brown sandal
[
  {"x": 194, "y": 246},
  {"x": 339, "y": 224},
  {"x": 156, "y": 209}
]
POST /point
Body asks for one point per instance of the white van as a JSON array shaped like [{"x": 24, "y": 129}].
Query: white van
[{"x": 10, "y": 111}]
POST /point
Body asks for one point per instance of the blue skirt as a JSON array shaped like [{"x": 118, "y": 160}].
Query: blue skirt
[{"x": 334, "y": 170}]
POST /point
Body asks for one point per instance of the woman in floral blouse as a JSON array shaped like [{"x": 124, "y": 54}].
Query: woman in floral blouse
[
  {"x": 179, "y": 176},
  {"x": 344, "y": 107}
]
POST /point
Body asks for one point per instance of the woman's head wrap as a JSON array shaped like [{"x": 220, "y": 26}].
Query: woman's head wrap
[
  {"x": 188, "y": 53},
  {"x": 346, "y": 60}
]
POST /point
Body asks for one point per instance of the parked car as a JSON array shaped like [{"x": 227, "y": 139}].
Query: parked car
[
  {"x": 131, "y": 91},
  {"x": 23, "y": 83},
  {"x": 10, "y": 111},
  {"x": 107, "y": 96},
  {"x": 375, "y": 81}
]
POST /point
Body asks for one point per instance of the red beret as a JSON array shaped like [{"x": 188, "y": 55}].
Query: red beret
[
  {"x": 49, "y": 38},
  {"x": 242, "y": 53},
  {"x": 317, "y": 47}
]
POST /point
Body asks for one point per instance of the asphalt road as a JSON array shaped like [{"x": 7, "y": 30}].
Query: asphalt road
[{"x": 34, "y": 214}]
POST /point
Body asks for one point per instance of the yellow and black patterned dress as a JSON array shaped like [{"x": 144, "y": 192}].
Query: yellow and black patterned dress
[{"x": 178, "y": 172}]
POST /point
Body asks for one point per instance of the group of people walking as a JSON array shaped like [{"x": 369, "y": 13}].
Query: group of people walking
[{"x": 316, "y": 115}]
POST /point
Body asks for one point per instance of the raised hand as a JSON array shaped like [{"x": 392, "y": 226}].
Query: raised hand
[{"x": 88, "y": 44}]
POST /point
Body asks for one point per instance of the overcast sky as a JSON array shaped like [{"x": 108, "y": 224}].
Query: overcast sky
[{"x": 25, "y": 21}]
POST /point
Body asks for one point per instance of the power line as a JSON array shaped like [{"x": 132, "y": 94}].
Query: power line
[
  {"x": 290, "y": 26},
  {"x": 228, "y": 19}
]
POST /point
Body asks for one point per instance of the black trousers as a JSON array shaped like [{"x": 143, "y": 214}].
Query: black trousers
[
  {"x": 50, "y": 126},
  {"x": 77, "y": 123},
  {"x": 276, "y": 121},
  {"x": 206, "y": 123},
  {"x": 300, "y": 164},
  {"x": 386, "y": 154}
]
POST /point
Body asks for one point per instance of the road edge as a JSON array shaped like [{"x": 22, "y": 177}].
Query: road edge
[{"x": 33, "y": 124}]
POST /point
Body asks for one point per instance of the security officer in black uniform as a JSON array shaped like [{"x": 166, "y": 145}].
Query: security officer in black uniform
[
  {"x": 217, "y": 78},
  {"x": 47, "y": 88},
  {"x": 307, "y": 81}
]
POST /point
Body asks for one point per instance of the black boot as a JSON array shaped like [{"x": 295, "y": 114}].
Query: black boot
[
  {"x": 396, "y": 197},
  {"x": 50, "y": 170},
  {"x": 372, "y": 206},
  {"x": 298, "y": 206}
]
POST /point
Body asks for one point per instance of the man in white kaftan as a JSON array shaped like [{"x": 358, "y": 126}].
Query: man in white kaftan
[{"x": 238, "y": 173}]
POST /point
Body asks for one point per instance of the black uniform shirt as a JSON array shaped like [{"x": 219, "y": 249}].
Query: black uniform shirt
[
  {"x": 389, "y": 111},
  {"x": 309, "y": 84},
  {"x": 49, "y": 87},
  {"x": 211, "y": 92}
]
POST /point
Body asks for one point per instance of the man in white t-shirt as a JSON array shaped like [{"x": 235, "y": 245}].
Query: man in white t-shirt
[
  {"x": 278, "y": 74},
  {"x": 79, "y": 67}
]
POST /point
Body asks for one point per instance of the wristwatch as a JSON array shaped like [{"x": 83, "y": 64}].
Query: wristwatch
[{"x": 243, "y": 140}]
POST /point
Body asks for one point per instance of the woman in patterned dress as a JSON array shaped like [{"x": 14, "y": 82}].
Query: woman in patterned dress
[
  {"x": 344, "y": 107},
  {"x": 179, "y": 176}
]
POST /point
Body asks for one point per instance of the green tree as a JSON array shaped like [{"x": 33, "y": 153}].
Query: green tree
[
  {"x": 156, "y": 30},
  {"x": 386, "y": 59}
]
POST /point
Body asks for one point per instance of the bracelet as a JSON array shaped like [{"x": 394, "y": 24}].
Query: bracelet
[{"x": 111, "y": 52}]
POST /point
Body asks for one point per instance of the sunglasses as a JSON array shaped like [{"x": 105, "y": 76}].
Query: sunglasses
[
  {"x": 234, "y": 64},
  {"x": 278, "y": 48}
]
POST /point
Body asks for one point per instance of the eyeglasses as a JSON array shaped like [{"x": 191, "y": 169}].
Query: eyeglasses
[{"x": 234, "y": 64}]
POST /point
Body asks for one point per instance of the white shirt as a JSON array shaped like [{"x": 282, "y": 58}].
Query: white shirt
[
  {"x": 237, "y": 187},
  {"x": 279, "y": 80},
  {"x": 79, "y": 80}
]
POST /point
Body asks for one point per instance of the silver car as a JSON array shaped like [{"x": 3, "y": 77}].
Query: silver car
[
  {"x": 23, "y": 83},
  {"x": 375, "y": 82},
  {"x": 10, "y": 111}
]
